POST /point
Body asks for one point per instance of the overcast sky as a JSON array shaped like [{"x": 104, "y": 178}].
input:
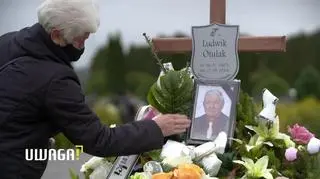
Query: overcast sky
[{"x": 133, "y": 17}]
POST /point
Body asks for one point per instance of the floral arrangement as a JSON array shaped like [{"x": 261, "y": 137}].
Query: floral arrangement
[{"x": 259, "y": 149}]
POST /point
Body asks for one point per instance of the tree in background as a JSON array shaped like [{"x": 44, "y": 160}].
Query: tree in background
[
  {"x": 308, "y": 83},
  {"x": 96, "y": 83},
  {"x": 108, "y": 69},
  {"x": 263, "y": 77},
  {"x": 115, "y": 67}
]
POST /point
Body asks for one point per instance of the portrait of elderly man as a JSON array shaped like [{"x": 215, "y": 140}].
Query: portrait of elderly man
[{"x": 213, "y": 121}]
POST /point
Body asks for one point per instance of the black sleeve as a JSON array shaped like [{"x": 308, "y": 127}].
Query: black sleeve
[{"x": 65, "y": 102}]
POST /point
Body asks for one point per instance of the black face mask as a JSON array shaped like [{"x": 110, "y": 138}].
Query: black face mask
[{"x": 73, "y": 53}]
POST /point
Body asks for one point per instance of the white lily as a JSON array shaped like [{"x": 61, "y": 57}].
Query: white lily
[
  {"x": 264, "y": 135},
  {"x": 93, "y": 163},
  {"x": 256, "y": 170}
]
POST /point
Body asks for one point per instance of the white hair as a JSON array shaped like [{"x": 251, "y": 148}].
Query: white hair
[
  {"x": 72, "y": 17},
  {"x": 217, "y": 93}
]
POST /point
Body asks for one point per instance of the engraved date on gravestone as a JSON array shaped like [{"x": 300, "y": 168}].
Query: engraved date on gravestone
[{"x": 215, "y": 52}]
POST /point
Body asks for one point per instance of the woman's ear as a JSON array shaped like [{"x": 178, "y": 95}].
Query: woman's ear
[{"x": 56, "y": 37}]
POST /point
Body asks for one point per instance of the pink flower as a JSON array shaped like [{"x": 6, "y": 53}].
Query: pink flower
[
  {"x": 291, "y": 154},
  {"x": 300, "y": 134}
]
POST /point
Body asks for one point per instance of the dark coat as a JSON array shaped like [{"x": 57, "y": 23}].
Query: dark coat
[
  {"x": 201, "y": 124},
  {"x": 40, "y": 95}
]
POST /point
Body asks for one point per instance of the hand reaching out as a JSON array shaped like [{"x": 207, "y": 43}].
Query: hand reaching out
[{"x": 171, "y": 124}]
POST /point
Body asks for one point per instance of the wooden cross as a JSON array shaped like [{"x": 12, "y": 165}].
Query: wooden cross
[{"x": 218, "y": 16}]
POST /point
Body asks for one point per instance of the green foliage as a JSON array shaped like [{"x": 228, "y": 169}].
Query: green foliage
[
  {"x": 107, "y": 113},
  {"x": 306, "y": 167},
  {"x": 308, "y": 83},
  {"x": 174, "y": 94},
  {"x": 256, "y": 170},
  {"x": 88, "y": 173},
  {"x": 139, "y": 83},
  {"x": 267, "y": 141},
  {"x": 313, "y": 167},
  {"x": 108, "y": 69},
  {"x": 73, "y": 174},
  {"x": 97, "y": 83},
  {"x": 62, "y": 142},
  {"x": 115, "y": 67},
  {"x": 97, "y": 77},
  {"x": 139, "y": 175},
  {"x": 246, "y": 113},
  {"x": 305, "y": 112},
  {"x": 248, "y": 64},
  {"x": 227, "y": 163},
  {"x": 153, "y": 155},
  {"x": 139, "y": 59},
  {"x": 167, "y": 168},
  {"x": 265, "y": 78}
]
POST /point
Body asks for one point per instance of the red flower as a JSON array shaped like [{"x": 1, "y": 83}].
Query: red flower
[{"x": 300, "y": 134}]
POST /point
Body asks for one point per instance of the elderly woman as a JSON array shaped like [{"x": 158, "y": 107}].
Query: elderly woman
[{"x": 40, "y": 94}]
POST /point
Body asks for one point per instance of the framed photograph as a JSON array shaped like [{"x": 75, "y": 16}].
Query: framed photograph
[{"x": 214, "y": 110}]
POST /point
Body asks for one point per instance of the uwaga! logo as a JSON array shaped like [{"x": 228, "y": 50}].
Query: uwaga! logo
[{"x": 53, "y": 154}]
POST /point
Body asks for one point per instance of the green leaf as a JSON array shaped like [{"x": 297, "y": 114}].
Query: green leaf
[
  {"x": 267, "y": 175},
  {"x": 253, "y": 140},
  {"x": 244, "y": 177},
  {"x": 262, "y": 163},
  {"x": 263, "y": 130},
  {"x": 287, "y": 140},
  {"x": 239, "y": 162},
  {"x": 139, "y": 175},
  {"x": 260, "y": 140},
  {"x": 249, "y": 147},
  {"x": 250, "y": 127},
  {"x": 237, "y": 140},
  {"x": 153, "y": 101},
  {"x": 73, "y": 174},
  {"x": 268, "y": 143},
  {"x": 248, "y": 163},
  {"x": 227, "y": 163},
  {"x": 274, "y": 131},
  {"x": 174, "y": 95}
]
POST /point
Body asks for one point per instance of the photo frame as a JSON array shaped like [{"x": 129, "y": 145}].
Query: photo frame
[{"x": 214, "y": 110}]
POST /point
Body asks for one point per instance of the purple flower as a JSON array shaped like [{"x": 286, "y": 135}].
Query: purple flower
[
  {"x": 152, "y": 112},
  {"x": 300, "y": 134},
  {"x": 291, "y": 154}
]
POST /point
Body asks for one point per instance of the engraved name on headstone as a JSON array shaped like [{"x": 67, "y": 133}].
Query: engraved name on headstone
[{"x": 215, "y": 52}]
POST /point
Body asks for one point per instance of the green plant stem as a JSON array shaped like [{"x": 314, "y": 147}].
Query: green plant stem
[{"x": 159, "y": 61}]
